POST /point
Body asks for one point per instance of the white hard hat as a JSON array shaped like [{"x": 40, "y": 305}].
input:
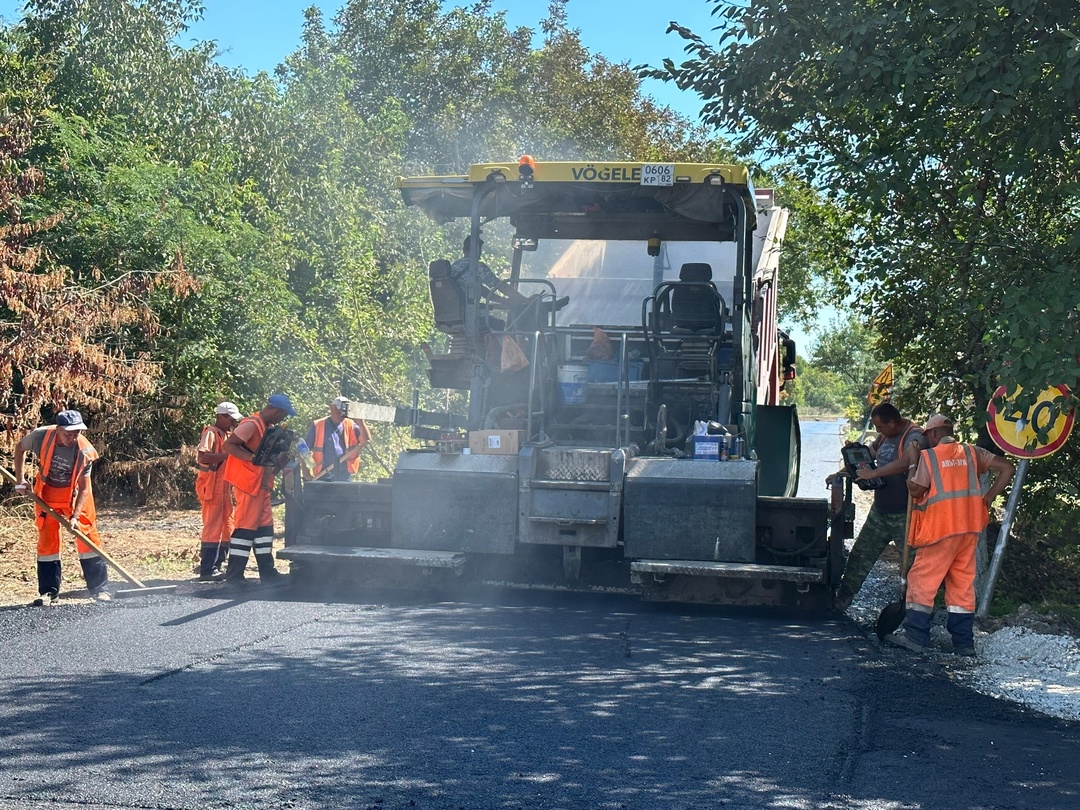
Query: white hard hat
[{"x": 229, "y": 409}]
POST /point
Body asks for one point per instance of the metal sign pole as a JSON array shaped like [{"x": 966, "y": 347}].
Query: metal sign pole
[{"x": 1003, "y": 537}]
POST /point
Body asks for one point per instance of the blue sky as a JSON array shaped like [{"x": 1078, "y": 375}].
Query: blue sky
[
  {"x": 252, "y": 38},
  {"x": 258, "y": 35}
]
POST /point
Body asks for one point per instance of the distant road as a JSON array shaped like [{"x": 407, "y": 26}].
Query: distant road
[{"x": 821, "y": 443}]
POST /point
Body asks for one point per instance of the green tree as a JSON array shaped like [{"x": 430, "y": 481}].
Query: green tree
[
  {"x": 65, "y": 339},
  {"x": 848, "y": 349},
  {"x": 948, "y": 133}
]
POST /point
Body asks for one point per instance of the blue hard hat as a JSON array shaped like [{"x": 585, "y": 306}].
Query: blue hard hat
[{"x": 283, "y": 402}]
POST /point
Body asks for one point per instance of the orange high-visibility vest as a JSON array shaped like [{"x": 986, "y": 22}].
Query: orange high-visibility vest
[
  {"x": 86, "y": 454},
  {"x": 354, "y": 435},
  {"x": 954, "y": 503},
  {"x": 206, "y": 480},
  {"x": 243, "y": 474}
]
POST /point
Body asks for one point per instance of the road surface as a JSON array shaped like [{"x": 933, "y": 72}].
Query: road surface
[{"x": 267, "y": 698}]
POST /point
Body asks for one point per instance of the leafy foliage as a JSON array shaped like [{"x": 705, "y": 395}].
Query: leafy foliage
[
  {"x": 949, "y": 134},
  {"x": 70, "y": 336},
  {"x": 229, "y": 235}
]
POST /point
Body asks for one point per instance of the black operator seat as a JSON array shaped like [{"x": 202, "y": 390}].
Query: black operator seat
[
  {"x": 697, "y": 307},
  {"x": 446, "y": 298}
]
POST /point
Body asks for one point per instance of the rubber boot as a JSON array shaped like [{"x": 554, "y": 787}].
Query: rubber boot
[
  {"x": 264, "y": 558},
  {"x": 961, "y": 627}
]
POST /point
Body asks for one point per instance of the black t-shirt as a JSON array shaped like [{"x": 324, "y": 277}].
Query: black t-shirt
[
  {"x": 63, "y": 459},
  {"x": 891, "y": 499}
]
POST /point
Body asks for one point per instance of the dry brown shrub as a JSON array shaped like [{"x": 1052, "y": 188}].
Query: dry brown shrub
[{"x": 164, "y": 481}]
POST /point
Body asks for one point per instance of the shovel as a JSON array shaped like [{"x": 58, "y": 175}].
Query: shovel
[
  {"x": 892, "y": 615},
  {"x": 344, "y": 458},
  {"x": 139, "y": 588}
]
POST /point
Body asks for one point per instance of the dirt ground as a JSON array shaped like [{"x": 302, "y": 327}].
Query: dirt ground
[{"x": 156, "y": 546}]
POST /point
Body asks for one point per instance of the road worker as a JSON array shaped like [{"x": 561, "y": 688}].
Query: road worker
[
  {"x": 65, "y": 458},
  {"x": 254, "y": 529},
  {"x": 896, "y": 449},
  {"x": 332, "y": 437},
  {"x": 499, "y": 293},
  {"x": 949, "y": 511},
  {"x": 215, "y": 493}
]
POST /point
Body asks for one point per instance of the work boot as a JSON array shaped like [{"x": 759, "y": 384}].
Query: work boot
[
  {"x": 842, "y": 601},
  {"x": 267, "y": 571},
  {"x": 961, "y": 627},
  {"x": 916, "y": 633},
  {"x": 903, "y": 639},
  {"x": 235, "y": 570}
]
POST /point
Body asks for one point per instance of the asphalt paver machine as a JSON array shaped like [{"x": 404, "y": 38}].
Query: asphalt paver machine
[{"x": 630, "y": 438}]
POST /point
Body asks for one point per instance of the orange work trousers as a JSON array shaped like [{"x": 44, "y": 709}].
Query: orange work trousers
[
  {"x": 951, "y": 561},
  {"x": 253, "y": 511},
  {"x": 59, "y": 498},
  {"x": 217, "y": 514}
]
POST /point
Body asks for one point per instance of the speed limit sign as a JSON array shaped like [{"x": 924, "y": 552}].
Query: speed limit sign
[{"x": 1034, "y": 433}]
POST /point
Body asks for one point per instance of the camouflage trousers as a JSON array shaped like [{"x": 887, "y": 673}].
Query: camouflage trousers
[{"x": 877, "y": 532}]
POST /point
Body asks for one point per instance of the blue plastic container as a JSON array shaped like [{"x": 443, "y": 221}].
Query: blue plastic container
[{"x": 608, "y": 370}]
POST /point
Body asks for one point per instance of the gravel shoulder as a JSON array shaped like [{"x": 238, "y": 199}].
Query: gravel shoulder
[
  {"x": 154, "y": 545},
  {"x": 1025, "y": 658}
]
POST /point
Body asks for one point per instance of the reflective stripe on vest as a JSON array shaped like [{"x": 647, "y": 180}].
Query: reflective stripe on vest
[
  {"x": 243, "y": 474},
  {"x": 954, "y": 503},
  {"x": 352, "y": 436}
]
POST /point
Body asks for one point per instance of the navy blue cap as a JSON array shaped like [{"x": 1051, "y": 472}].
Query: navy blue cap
[
  {"x": 283, "y": 402},
  {"x": 70, "y": 420}
]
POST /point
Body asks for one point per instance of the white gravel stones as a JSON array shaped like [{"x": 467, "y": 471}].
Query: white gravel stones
[{"x": 1037, "y": 670}]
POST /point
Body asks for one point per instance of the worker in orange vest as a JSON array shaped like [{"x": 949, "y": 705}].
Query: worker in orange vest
[
  {"x": 948, "y": 512},
  {"x": 63, "y": 482},
  {"x": 332, "y": 437},
  {"x": 254, "y": 530},
  {"x": 215, "y": 493}
]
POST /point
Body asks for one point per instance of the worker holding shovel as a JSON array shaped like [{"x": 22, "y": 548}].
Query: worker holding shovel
[{"x": 64, "y": 458}]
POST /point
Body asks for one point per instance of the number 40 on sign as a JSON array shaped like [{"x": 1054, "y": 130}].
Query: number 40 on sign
[{"x": 1032, "y": 434}]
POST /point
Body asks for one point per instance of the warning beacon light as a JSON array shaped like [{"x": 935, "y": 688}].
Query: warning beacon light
[{"x": 526, "y": 169}]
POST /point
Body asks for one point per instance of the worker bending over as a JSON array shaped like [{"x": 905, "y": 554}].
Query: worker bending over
[
  {"x": 65, "y": 458},
  {"x": 254, "y": 519}
]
